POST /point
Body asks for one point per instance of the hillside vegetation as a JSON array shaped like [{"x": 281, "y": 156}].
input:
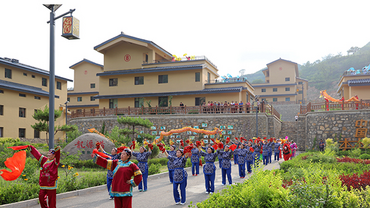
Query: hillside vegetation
[{"x": 324, "y": 74}]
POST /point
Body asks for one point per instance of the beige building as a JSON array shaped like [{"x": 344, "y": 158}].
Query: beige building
[
  {"x": 137, "y": 72},
  {"x": 23, "y": 90},
  {"x": 355, "y": 82},
  {"x": 282, "y": 83}
]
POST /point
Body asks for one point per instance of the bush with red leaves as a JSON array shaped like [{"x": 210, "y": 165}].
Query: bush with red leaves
[
  {"x": 353, "y": 160},
  {"x": 356, "y": 181}
]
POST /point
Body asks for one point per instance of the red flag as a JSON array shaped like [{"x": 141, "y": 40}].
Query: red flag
[
  {"x": 200, "y": 162},
  {"x": 19, "y": 147},
  {"x": 227, "y": 140},
  {"x": 150, "y": 146},
  {"x": 251, "y": 149},
  {"x": 95, "y": 151},
  {"x": 15, "y": 164},
  {"x": 220, "y": 145},
  {"x": 232, "y": 147},
  {"x": 198, "y": 143},
  {"x": 215, "y": 146}
]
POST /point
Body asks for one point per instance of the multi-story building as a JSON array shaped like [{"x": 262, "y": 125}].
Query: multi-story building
[
  {"x": 23, "y": 90},
  {"x": 282, "y": 83},
  {"x": 355, "y": 82},
  {"x": 137, "y": 72}
]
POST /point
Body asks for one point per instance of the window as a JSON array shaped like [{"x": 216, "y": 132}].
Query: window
[
  {"x": 287, "y": 79},
  {"x": 37, "y": 98},
  {"x": 8, "y": 73},
  {"x": 113, "y": 103},
  {"x": 44, "y": 82},
  {"x": 22, "y": 112},
  {"x": 139, "y": 102},
  {"x": 69, "y": 99},
  {"x": 59, "y": 85},
  {"x": 22, "y": 95},
  {"x": 300, "y": 83},
  {"x": 1, "y": 132},
  {"x": 92, "y": 98},
  {"x": 36, "y": 134},
  {"x": 79, "y": 110},
  {"x": 199, "y": 101},
  {"x": 287, "y": 89},
  {"x": 22, "y": 133},
  {"x": 162, "y": 79},
  {"x": 79, "y": 99},
  {"x": 209, "y": 77},
  {"x": 146, "y": 58},
  {"x": 197, "y": 76},
  {"x": 263, "y": 90},
  {"x": 24, "y": 74},
  {"x": 274, "y": 99},
  {"x": 139, "y": 80},
  {"x": 113, "y": 82},
  {"x": 92, "y": 85},
  {"x": 274, "y": 89},
  {"x": 1, "y": 110},
  {"x": 33, "y": 76},
  {"x": 2, "y": 91},
  {"x": 163, "y": 101},
  {"x": 287, "y": 99}
]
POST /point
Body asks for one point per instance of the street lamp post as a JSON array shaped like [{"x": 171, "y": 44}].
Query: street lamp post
[
  {"x": 66, "y": 117},
  {"x": 52, "y": 8},
  {"x": 256, "y": 101}
]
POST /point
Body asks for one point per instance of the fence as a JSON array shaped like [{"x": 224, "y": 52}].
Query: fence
[
  {"x": 240, "y": 109},
  {"x": 330, "y": 106}
]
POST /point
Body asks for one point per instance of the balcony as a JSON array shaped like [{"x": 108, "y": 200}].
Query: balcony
[
  {"x": 358, "y": 72},
  {"x": 181, "y": 59},
  {"x": 229, "y": 80}
]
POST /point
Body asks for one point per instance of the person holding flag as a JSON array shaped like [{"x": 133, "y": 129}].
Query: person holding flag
[
  {"x": 209, "y": 169},
  {"x": 142, "y": 157}
]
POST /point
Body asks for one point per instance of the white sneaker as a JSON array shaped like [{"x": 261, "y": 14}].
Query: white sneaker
[
  {"x": 177, "y": 203},
  {"x": 182, "y": 203},
  {"x": 207, "y": 192}
]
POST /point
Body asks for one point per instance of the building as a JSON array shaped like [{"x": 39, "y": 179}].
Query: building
[
  {"x": 23, "y": 90},
  {"x": 282, "y": 83},
  {"x": 138, "y": 72},
  {"x": 355, "y": 82}
]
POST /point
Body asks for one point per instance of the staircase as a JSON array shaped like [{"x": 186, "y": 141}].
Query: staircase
[{"x": 288, "y": 111}]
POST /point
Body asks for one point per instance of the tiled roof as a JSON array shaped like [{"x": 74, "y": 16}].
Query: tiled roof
[
  {"x": 358, "y": 82},
  {"x": 81, "y": 93},
  {"x": 281, "y": 60},
  {"x": 273, "y": 85},
  {"x": 151, "y": 70},
  {"x": 85, "y": 60},
  {"x": 134, "y": 38},
  {"x": 24, "y": 88},
  {"x": 204, "y": 91},
  {"x": 29, "y": 68}
]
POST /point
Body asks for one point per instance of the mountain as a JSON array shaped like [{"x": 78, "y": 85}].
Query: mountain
[{"x": 325, "y": 74}]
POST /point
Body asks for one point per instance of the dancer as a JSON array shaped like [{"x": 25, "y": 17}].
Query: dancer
[
  {"x": 277, "y": 147},
  {"x": 226, "y": 156},
  {"x": 123, "y": 171},
  {"x": 270, "y": 150},
  {"x": 242, "y": 152},
  {"x": 113, "y": 156},
  {"x": 286, "y": 151},
  {"x": 142, "y": 158},
  {"x": 293, "y": 147},
  {"x": 180, "y": 176},
  {"x": 257, "y": 148},
  {"x": 249, "y": 156},
  {"x": 209, "y": 169},
  {"x": 170, "y": 166},
  {"x": 48, "y": 176},
  {"x": 265, "y": 151},
  {"x": 195, "y": 161},
  {"x": 235, "y": 155}
]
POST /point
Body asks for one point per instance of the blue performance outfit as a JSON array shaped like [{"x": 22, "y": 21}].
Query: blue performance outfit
[
  {"x": 110, "y": 173},
  {"x": 209, "y": 170},
  {"x": 170, "y": 165},
  {"x": 249, "y": 159},
  {"x": 195, "y": 161},
  {"x": 270, "y": 152},
  {"x": 256, "y": 154},
  {"x": 265, "y": 152},
  {"x": 235, "y": 155},
  {"x": 241, "y": 153},
  {"x": 143, "y": 165},
  {"x": 180, "y": 177},
  {"x": 277, "y": 151},
  {"x": 226, "y": 165}
]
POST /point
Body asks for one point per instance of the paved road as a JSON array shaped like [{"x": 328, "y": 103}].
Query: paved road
[{"x": 159, "y": 192}]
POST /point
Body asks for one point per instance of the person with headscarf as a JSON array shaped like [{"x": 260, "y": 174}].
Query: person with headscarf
[
  {"x": 122, "y": 183},
  {"x": 195, "y": 161},
  {"x": 265, "y": 151},
  {"x": 226, "y": 156},
  {"x": 241, "y": 152},
  {"x": 293, "y": 147},
  {"x": 249, "y": 157},
  {"x": 170, "y": 166},
  {"x": 48, "y": 176},
  {"x": 277, "y": 147},
  {"x": 180, "y": 176},
  {"x": 142, "y": 157},
  {"x": 256, "y": 155},
  {"x": 286, "y": 151},
  {"x": 113, "y": 156},
  {"x": 209, "y": 169}
]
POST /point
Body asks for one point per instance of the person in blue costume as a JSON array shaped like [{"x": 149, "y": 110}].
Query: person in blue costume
[
  {"x": 277, "y": 147},
  {"x": 113, "y": 156},
  {"x": 256, "y": 154},
  {"x": 241, "y": 152},
  {"x": 172, "y": 152},
  {"x": 142, "y": 157},
  {"x": 226, "y": 156},
  {"x": 209, "y": 169},
  {"x": 249, "y": 157},
  {"x": 265, "y": 151},
  {"x": 235, "y": 155},
  {"x": 180, "y": 176},
  {"x": 195, "y": 161},
  {"x": 270, "y": 150}
]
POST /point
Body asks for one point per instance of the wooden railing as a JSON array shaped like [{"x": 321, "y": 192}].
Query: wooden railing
[
  {"x": 330, "y": 106},
  {"x": 237, "y": 109},
  {"x": 349, "y": 144}
]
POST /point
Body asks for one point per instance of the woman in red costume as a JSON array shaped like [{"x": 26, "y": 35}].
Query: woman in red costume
[
  {"x": 122, "y": 183},
  {"x": 286, "y": 151},
  {"x": 48, "y": 176}
]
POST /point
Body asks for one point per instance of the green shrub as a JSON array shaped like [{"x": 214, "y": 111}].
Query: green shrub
[
  {"x": 343, "y": 153},
  {"x": 154, "y": 169},
  {"x": 155, "y": 152},
  {"x": 355, "y": 153},
  {"x": 365, "y": 156}
]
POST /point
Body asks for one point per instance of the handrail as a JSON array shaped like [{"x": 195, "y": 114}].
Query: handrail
[{"x": 333, "y": 106}]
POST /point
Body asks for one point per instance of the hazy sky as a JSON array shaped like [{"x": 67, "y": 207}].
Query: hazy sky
[{"x": 234, "y": 35}]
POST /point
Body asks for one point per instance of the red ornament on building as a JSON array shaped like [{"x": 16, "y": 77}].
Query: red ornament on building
[{"x": 127, "y": 57}]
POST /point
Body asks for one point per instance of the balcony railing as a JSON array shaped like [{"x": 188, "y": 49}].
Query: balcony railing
[
  {"x": 357, "y": 72},
  {"x": 331, "y": 106},
  {"x": 237, "y": 109},
  {"x": 187, "y": 58}
]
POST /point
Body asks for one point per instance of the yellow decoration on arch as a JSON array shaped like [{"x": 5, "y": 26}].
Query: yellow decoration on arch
[{"x": 199, "y": 131}]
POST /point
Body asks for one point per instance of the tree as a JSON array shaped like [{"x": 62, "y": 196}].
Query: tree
[
  {"x": 257, "y": 81},
  {"x": 43, "y": 125},
  {"x": 135, "y": 122}
]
